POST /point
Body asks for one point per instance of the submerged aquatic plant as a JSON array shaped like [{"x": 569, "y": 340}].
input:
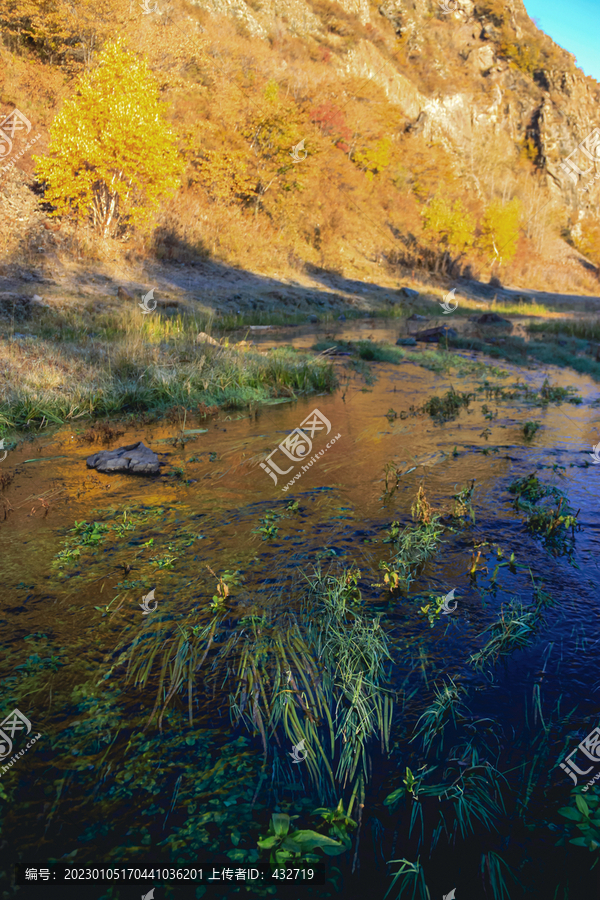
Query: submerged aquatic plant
[
  {"x": 551, "y": 523},
  {"x": 412, "y": 881},
  {"x": 530, "y": 429},
  {"x": 447, "y": 407},
  {"x": 319, "y": 673},
  {"x": 415, "y": 544},
  {"x": 445, "y": 707}
]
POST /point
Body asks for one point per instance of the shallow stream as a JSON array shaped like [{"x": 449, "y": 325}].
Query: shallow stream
[{"x": 93, "y": 791}]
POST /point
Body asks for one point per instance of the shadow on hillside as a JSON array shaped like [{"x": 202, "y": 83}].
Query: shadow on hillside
[{"x": 187, "y": 269}]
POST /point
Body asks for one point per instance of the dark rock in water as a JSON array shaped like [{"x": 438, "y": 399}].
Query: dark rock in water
[
  {"x": 409, "y": 293},
  {"x": 135, "y": 459},
  {"x": 493, "y": 319},
  {"x": 416, "y": 318},
  {"x": 433, "y": 335},
  {"x": 406, "y": 342},
  {"x": 313, "y": 319}
]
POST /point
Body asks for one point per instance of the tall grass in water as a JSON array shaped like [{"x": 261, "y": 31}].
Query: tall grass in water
[
  {"x": 415, "y": 544},
  {"x": 317, "y": 675}
]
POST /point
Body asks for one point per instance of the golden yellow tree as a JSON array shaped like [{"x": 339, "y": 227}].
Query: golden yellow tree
[
  {"x": 58, "y": 31},
  {"x": 500, "y": 230},
  {"x": 112, "y": 155},
  {"x": 452, "y": 226}
]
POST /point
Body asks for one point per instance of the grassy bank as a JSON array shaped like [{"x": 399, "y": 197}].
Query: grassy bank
[
  {"x": 519, "y": 352},
  {"x": 66, "y": 368}
]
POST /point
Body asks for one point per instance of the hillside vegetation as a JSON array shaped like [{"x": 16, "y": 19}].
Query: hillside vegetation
[{"x": 170, "y": 134}]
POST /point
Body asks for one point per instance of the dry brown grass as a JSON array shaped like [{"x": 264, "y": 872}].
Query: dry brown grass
[{"x": 336, "y": 219}]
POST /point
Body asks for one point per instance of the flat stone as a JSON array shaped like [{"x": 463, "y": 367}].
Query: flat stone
[
  {"x": 434, "y": 335},
  {"x": 409, "y": 293},
  {"x": 406, "y": 342},
  {"x": 135, "y": 459},
  {"x": 417, "y": 318}
]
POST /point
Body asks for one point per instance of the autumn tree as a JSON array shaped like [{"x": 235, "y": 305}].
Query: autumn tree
[
  {"x": 112, "y": 155},
  {"x": 450, "y": 225},
  {"x": 332, "y": 123},
  {"x": 500, "y": 230},
  {"x": 373, "y": 160},
  {"x": 272, "y": 131},
  {"x": 58, "y": 31}
]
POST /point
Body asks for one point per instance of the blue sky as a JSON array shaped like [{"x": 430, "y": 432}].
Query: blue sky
[{"x": 573, "y": 25}]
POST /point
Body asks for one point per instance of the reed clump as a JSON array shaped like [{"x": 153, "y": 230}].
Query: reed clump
[{"x": 316, "y": 674}]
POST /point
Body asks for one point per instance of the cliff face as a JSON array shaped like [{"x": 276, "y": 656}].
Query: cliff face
[{"x": 498, "y": 75}]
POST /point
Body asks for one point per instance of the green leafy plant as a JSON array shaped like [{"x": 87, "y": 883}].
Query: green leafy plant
[
  {"x": 284, "y": 843},
  {"x": 338, "y": 823},
  {"x": 585, "y": 814}
]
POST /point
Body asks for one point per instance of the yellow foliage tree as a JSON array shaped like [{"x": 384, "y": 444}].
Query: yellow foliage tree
[
  {"x": 112, "y": 155},
  {"x": 500, "y": 230},
  {"x": 452, "y": 225},
  {"x": 58, "y": 31},
  {"x": 374, "y": 160}
]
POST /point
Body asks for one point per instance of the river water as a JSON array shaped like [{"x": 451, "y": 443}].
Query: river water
[{"x": 206, "y": 510}]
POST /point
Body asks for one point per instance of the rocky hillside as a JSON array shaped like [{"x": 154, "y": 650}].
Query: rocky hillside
[{"x": 399, "y": 104}]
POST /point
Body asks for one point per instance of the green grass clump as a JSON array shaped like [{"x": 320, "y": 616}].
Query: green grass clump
[
  {"x": 139, "y": 378},
  {"x": 447, "y": 407},
  {"x": 587, "y": 330},
  {"x": 440, "y": 361},
  {"x": 414, "y": 545},
  {"x": 530, "y": 428},
  {"x": 317, "y": 674},
  {"x": 553, "y": 521},
  {"x": 518, "y": 351}
]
